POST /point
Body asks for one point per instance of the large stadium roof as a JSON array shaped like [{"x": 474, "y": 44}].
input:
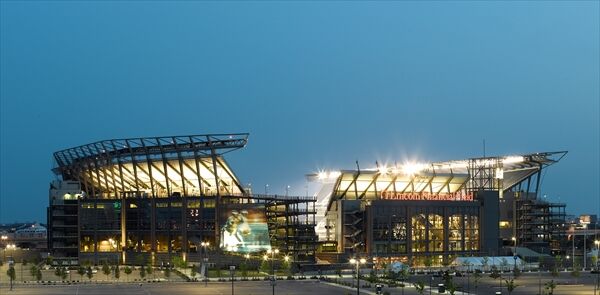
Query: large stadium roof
[
  {"x": 204, "y": 144},
  {"x": 449, "y": 177},
  {"x": 189, "y": 165}
]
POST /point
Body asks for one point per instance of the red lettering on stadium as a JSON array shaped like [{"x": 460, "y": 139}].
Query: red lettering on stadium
[{"x": 425, "y": 196}]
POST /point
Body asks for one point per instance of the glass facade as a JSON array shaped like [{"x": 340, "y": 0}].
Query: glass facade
[
  {"x": 100, "y": 225},
  {"x": 427, "y": 231}
]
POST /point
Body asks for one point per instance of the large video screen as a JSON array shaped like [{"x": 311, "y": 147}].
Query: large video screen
[{"x": 244, "y": 229}]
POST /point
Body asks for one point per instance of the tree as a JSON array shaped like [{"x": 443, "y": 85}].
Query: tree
[
  {"x": 127, "y": 271},
  {"x": 49, "y": 260},
  {"x": 149, "y": 269},
  {"x": 89, "y": 272},
  {"x": 244, "y": 269},
  {"x": 117, "y": 272},
  {"x": 193, "y": 271},
  {"x": 495, "y": 273},
  {"x": 38, "y": 274},
  {"x": 179, "y": 262},
  {"x": 143, "y": 271},
  {"x": 428, "y": 262},
  {"x": 33, "y": 270},
  {"x": 420, "y": 286},
  {"x": 372, "y": 277},
  {"x": 218, "y": 272},
  {"x": 510, "y": 285},
  {"x": 550, "y": 286},
  {"x": 265, "y": 267},
  {"x": 106, "y": 269},
  {"x": 81, "y": 272},
  {"x": 403, "y": 275},
  {"x": 63, "y": 273}
]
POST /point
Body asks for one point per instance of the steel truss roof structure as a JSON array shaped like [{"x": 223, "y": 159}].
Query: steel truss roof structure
[
  {"x": 452, "y": 177},
  {"x": 189, "y": 165}
]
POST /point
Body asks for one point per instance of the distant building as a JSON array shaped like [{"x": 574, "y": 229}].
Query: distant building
[{"x": 24, "y": 236}]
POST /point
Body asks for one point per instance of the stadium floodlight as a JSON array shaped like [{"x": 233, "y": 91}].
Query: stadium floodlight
[
  {"x": 383, "y": 169},
  {"x": 334, "y": 174},
  {"x": 322, "y": 175},
  {"x": 413, "y": 168}
]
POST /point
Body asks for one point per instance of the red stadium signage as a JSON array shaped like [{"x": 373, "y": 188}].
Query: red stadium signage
[{"x": 425, "y": 196}]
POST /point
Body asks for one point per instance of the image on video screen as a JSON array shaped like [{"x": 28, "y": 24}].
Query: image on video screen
[{"x": 244, "y": 229}]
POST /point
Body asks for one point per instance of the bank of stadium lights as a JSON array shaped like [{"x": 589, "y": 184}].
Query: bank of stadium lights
[
  {"x": 413, "y": 168},
  {"x": 322, "y": 175}
]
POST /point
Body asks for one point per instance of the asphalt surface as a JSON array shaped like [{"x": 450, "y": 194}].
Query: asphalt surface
[
  {"x": 527, "y": 284},
  {"x": 248, "y": 288}
]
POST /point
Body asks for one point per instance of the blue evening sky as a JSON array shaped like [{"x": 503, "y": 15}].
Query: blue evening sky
[{"x": 317, "y": 84}]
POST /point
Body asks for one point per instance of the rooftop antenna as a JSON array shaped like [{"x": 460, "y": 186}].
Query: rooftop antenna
[{"x": 484, "y": 147}]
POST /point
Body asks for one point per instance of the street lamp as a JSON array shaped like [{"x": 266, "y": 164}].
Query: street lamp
[
  {"x": 232, "y": 270},
  {"x": 272, "y": 252},
  {"x": 358, "y": 262}
]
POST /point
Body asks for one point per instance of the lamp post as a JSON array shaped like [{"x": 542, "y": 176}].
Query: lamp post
[
  {"x": 204, "y": 246},
  {"x": 287, "y": 190},
  {"x": 358, "y": 262},
  {"x": 266, "y": 189},
  {"x": 273, "y": 252},
  {"x": 232, "y": 270},
  {"x": 11, "y": 269}
]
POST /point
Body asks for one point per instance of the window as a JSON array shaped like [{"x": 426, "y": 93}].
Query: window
[
  {"x": 455, "y": 232},
  {"x": 436, "y": 232},
  {"x": 418, "y": 233},
  {"x": 471, "y": 232}
]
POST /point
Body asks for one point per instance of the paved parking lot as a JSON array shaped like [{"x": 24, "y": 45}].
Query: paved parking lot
[
  {"x": 249, "y": 288},
  {"x": 528, "y": 284}
]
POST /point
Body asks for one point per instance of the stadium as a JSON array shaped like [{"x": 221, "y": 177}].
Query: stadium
[
  {"x": 429, "y": 214},
  {"x": 161, "y": 197}
]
